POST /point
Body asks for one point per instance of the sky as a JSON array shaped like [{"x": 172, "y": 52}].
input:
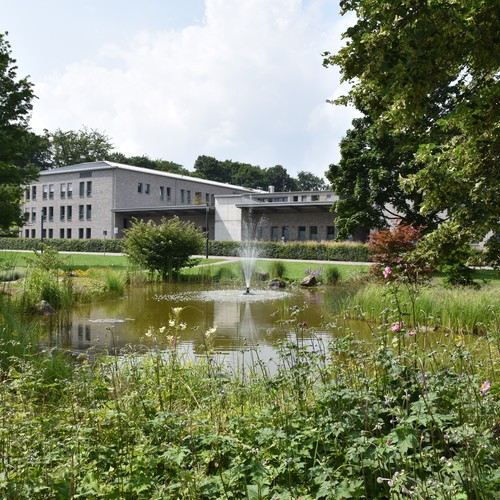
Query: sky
[{"x": 238, "y": 80}]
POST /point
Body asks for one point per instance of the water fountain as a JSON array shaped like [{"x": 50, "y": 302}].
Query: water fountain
[{"x": 249, "y": 253}]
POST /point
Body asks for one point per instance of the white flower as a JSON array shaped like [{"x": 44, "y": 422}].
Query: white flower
[
  {"x": 171, "y": 322},
  {"x": 182, "y": 326},
  {"x": 150, "y": 332},
  {"x": 162, "y": 329}
]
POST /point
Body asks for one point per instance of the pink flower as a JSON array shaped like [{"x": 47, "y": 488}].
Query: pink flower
[
  {"x": 485, "y": 387},
  {"x": 303, "y": 324},
  {"x": 386, "y": 272},
  {"x": 397, "y": 326},
  {"x": 412, "y": 333}
]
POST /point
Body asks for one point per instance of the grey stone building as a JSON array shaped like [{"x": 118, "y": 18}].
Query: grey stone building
[{"x": 100, "y": 199}]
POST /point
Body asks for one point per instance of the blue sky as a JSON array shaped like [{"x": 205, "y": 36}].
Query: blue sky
[{"x": 234, "y": 79}]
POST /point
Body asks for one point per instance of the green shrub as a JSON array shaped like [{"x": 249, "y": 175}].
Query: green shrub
[
  {"x": 332, "y": 275},
  {"x": 278, "y": 269}
]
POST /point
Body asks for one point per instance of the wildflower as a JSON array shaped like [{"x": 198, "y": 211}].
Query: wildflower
[
  {"x": 162, "y": 329},
  {"x": 386, "y": 272},
  {"x": 182, "y": 326},
  {"x": 485, "y": 387},
  {"x": 411, "y": 333},
  {"x": 303, "y": 324},
  {"x": 149, "y": 333},
  {"x": 397, "y": 326},
  {"x": 210, "y": 332},
  {"x": 177, "y": 310},
  {"x": 171, "y": 322}
]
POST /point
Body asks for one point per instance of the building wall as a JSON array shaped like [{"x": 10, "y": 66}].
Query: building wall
[
  {"x": 227, "y": 218},
  {"x": 62, "y": 207}
]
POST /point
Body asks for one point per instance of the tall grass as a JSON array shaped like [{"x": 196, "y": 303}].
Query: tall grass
[{"x": 457, "y": 309}]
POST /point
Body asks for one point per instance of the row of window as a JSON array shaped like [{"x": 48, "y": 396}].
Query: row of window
[
  {"x": 65, "y": 213},
  {"x": 285, "y": 199},
  {"x": 65, "y": 191},
  {"x": 186, "y": 196},
  {"x": 83, "y": 233},
  {"x": 303, "y": 233}
]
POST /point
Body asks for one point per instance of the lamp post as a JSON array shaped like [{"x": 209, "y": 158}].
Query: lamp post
[
  {"x": 206, "y": 233},
  {"x": 42, "y": 220},
  {"x": 104, "y": 233}
]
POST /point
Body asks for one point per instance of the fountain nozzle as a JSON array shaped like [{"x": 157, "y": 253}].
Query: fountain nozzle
[{"x": 248, "y": 291}]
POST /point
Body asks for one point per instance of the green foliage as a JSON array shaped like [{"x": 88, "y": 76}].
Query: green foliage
[
  {"x": 332, "y": 275},
  {"x": 72, "y": 147},
  {"x": 16, "y": 141},
  {"x": 165, "y": 248},
  {"x": 425, "y": 76},
  {"x": 278, "y": 269},
  {"x": 343, "y": 419},
  {"x": 73, "y": 245}
]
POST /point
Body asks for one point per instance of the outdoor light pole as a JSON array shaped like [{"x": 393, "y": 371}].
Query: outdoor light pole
[
  {"x": 206, "y": 233},
  {"x": 42, "y": 220}
]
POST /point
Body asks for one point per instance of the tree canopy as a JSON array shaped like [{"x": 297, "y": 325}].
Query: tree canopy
[
  {"x": 425, "y": 75},
  {"x": 17, "y": 143},
  {"x": 164, "y": 248}
]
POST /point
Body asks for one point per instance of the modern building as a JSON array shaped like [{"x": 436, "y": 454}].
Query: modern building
[{"x": 101, "y": 199}]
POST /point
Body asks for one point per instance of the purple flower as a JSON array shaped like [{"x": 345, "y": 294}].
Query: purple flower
[
  {"x": 412, "y": 333},
  {"x": 397, "y": 326},
  {"x": 485, "y": 387},
  {"x": 386, "y": 272},
  {"x": 304, "y": 324}
]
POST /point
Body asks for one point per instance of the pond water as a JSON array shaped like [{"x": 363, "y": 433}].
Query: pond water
[{"x": 243, "y": 321}]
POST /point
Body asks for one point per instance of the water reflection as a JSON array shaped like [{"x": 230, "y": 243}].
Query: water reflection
[{"x": 243, "y": 321}]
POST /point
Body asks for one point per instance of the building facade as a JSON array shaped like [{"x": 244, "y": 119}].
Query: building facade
[{"x": 100, "y": 200}]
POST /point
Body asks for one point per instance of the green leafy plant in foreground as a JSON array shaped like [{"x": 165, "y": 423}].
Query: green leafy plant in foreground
[{"x": 400, "y": 416}]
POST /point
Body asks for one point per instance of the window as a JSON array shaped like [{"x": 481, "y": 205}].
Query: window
[
  {"x": 51, "y": 191},
  {"x": 44, "y": 213},
  {"x": 330, "y": 233},
  {"x": 44, "y": 233},
  {"x": 82, "y": 189},
  {"x": 183, "y": 196},
  {"x": 139, "y": 187},
  {"x": 315, "y": 197},
  {"x": 81, "y": 212},
  {"x": 313, "y": 233},
  {"x": 147, "y": 189},
  {"x": 89, "y": 212},
  {"x": 33, "y": 215},
  {"x": 63, "y": 190},
  {"x": 162, "y": 192},
  {"x": 303, "y": 197},
  {"x": 61, "y": 233},
  {"x": 295, "y": 198},
  {"x": 70, "y": 190},
  {"x": 285, "y": 232},
  {"x": 68, "y": 233},
  {"x": 45, "y": 191},
  {"x": 189, "y": 197},
  {"x": 89, "y": 188},
  {"x": 207, "y": 198},
  {"x": 26, "y": 233},
  {"x": 51, "y": 214},
  {"x": 27, "y": 193},
  {"x": 51, "y": 233},
  {"x": 62, "y": 213},
  {"x": 33, "y": 193},
  {"x": 80, "y": 233},
  {"x": 85, "y": 174},
  {"x": 302, "y": 233},
  {"x": 33, "y": 233},
  {"x": 274, "y": 233},
  {"x": 168, "y": 194},
  {"x": 69, "y": 212},
  {"x": 88, "y": 233}
]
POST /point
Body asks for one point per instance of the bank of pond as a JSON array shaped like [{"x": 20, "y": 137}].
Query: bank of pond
[{"x": 349, "y": 390}]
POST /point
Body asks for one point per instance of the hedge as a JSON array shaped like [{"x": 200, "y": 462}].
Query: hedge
[{"x": 355, "y": 252}]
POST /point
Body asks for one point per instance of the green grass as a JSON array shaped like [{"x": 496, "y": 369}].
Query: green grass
[{"x": 294, "y": 271}]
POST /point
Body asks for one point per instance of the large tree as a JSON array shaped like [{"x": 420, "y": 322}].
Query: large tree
[
  {"x": 79, "y": 146},
  {"x": 17, "y": 142},
  {"x": 426, "y": 75},
  {"x": 307, "y": 181}
]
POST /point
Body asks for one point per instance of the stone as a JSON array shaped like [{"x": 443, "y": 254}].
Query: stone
[
  {"x": 277, "y": 283},
  {"x": 309, "y": 281}
]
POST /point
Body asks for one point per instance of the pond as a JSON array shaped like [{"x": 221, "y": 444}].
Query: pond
[{"x": 243, "y": 321}]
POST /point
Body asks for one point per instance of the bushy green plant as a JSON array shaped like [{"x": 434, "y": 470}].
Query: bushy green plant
[
  {"x": 332, "y": 275},
  {"x": 278, "y": 269},
  {"x": 163, "y": 248}
]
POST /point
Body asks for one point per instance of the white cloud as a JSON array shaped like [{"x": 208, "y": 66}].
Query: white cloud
[{"x": 245, "y": 84}]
